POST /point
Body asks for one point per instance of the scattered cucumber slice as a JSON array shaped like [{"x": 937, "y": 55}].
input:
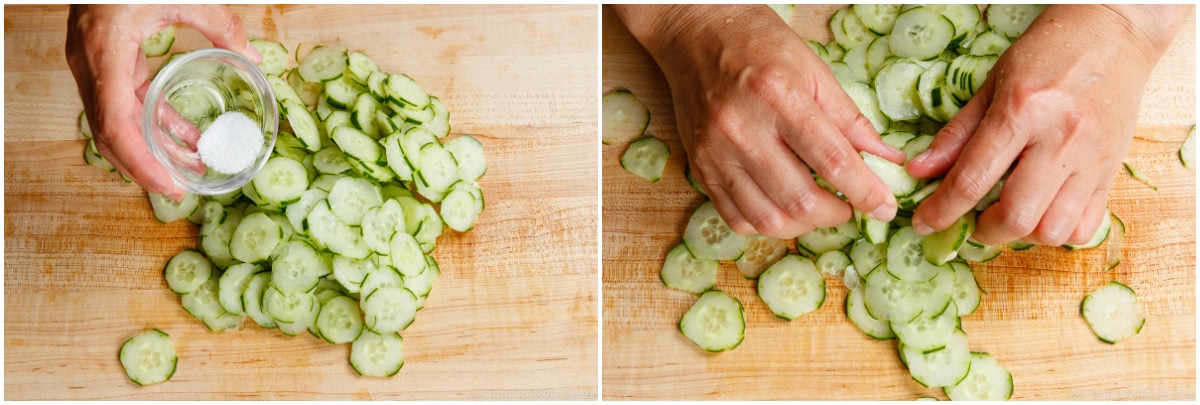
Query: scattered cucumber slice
[
  {"x": 646, "y": 158},
  {"x": 716, "y": 322},
  {"x": 149, "y": 357},
  {"x": 1113, "y": 313},
  {"x": 625, "y": 117}
]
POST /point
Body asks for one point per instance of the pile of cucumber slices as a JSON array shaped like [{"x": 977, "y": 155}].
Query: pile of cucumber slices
[
  {"x": 333, "y": 237},
  {"x": 909, "y": 69}
]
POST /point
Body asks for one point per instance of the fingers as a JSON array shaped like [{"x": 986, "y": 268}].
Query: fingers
[
  {"x": 953, "y": 137},
  {"x": 789, "y": 185},
  {"x": 747, "y": 208},
  {"x": 219, "y": 25},
  {"x": 1027, "y": 194},
  {"x": 821, "y": 145},
  {"x": 1064, "y": 213},
  {"x": 996, "y": 144},
  {"x": 1093, "y": 216},
  {"x": 853, "y": 125}
]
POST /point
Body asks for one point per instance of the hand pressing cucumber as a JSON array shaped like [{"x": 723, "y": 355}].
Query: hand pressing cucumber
[
  {"x": 1060, "y": 108},
  {"x": 757, "y": 109}
]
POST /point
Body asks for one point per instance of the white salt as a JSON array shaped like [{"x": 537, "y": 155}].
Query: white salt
[{"x": 231, "y": 143}]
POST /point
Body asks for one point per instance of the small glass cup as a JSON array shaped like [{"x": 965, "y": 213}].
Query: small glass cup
[{"x": 184, "y": 99}]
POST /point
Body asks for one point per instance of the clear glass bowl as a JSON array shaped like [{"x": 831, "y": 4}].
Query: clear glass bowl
[{"x": 184, "y": 99}]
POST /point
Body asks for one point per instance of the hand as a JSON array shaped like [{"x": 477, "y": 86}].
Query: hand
[
  {"x": 756, "y": 108},
  {"x": 103, "y": 51},
  {"x": 1061, "y": 105}
]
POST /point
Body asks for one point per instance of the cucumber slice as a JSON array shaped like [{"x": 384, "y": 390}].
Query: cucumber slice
[
  {"x": 395, "y": 157},
  {"x": 468, "y": 154},
  {"x": 304, "y": 320},
  {"x": 422, "y": 284},
  {"x": 252, "y": 300},
  {"x": 407, "y": 256},
  {"x": 232, "y": 285},
  {"x": 761, "y": 251},
  {"x": 296, "y": 212},
  {"x": 1187, "y": 152},
  {"x": 361, "y": 67},
  {"x": 893, "y": 299},
  {"x": 389, "y": 309},
  {"x": 893, "y": 175},
  {"x": 1012, "y": 19},
  {"x": 683, "y": 272},
  {"x": 350, "y": 198},
  {"x": 357, "y": 145},
  {"x": 1137, "y": 175},
  {"x": 186, "y": 271},
  {"x": 878, "y": 53},
  {"x": 906, "y": 257},
  {"x": 990, "y": 43},
  {"x": 928, "y": 333},
  {"x": 871, "y": 230},
  {"x": 991, "y": 197},
  {"x": 297, "y": 269},
  {"x": 84, "y": 128},
  {"x": 1100, "y": 236},
  {"x": 255, "y": 238},
  {"x": 856, "y": 60},
  {"x": 204, "y": 302},
  {"x": 965, "y": 17},
  {"x": 383, "y": 277},
  {"x": 149, "y": 357},
  {"x": 856, "y": 310},
  {"x": 920, "y": 33},
  {"x": 431, "y": 228},
  {"x": 339, "y": 320},
  {"x": 716, "y": 322},
  {"x": 896, "y": 85},
  {"x": 352, "y": 273},
  {"x": 833, "y": 263},
  {"x": 1115, "y": 243},
  {"x": 439, "y": 125},
  {"x": 783, "y": 10},
  {"x": 215, "y": 244},
  {"x": 987, "y": 380},
  {"x": 866, "y": 99},
  {"x": 941, "y": 368},
  {"x": 934, "y": 76},
  {"x": 1019, "y": 245},
  {"x": 879, "y": 18},
  {"x": 917, "y": 145},
  {"x": 323, "y": 64},
  {"x": 966, "y": 75},
  {"x": 93, "y": 158},
  {"x": 303, "y": 124},
  {"x": 380, "y": 223},
  {"x": 824, "y": 239},
  {"x": 848, "y": 28},
  {"x": 341, "y": 93},
  {"x": 866, "y": 256},
  {"x": 646, "y": 158},
  {"x": 274, "y": 56},
  {"x": 437, "y": 169},
  {"x": 792, "y": 287},
  {"x": 329, "y": 232},
  {"x": 167, "y": 210},
  {"x": 159, "y": 44},
  {"x": 965, "y": 291},
  {"x": 975, "y": 252},
  {"x": 287, "y": 307},
  {"x": 375, "y": 355},
  {"x": 281, "y": 181},
  {"x": 458, "y": 210},
  {"x": 1113, "y": 313},
  {"x": 404, "y": 90},
  {"x": 330, "y": 161},
  {"x": 708, "y": 237},
  {"x": 942, "y": 246}
]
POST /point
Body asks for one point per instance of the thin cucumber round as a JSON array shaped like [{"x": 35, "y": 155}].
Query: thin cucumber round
[
  {"x": 186, "y": 271},
  {"x": 458, "y": 210},
  {"x": 646, "y": 158},
  {"x": 761, "y": 251},
  {"x": 383, "y": 277},
  {"x": 389, "y": 309},
  {"x": 823, "y": 239},
  {"x": 879, "y": 18},
  {"x": 896, "y": 85},
  {"x": 895, "y": 176},
  {"x": 708, "y": 237},
  {"x": 167, "y": 210},
  {"x": 833, "y": 263},
  {"x": 351, "y": 197},
  {"x": 281, "y": 181},
  {"x": 252, "y": 300},
  {"x": 625, "y": 118},
  {"x": 867, "y": 101},
  {"x": 942, "y": 246},
  {"x": 274, "y": 56},
  {"x": 866, "y": 256},
  {"x": 297, "y": 269},
  {"x": 149, "y": 357},
  {"x": 856, "y": 310},
  {"x": 339, "y": 320},
  {"x": 792, "y": 287},
  {"x": 287, "y": 307},
  {"x": 684, "y": 272},
  {"x": 1113, "y": 313},
  {"x": 1012, "y": 19},
  {"x": 232, "y": 285},
  {"x": 256, "y": 236},
  {"x": 987, "y": 380},
  {"x": 468, "y": 154},
  {"x": 920, "y": 33},
  {"x": 940, "y": 368},
  {"x": 906, "y": 257},
  {"x": 160, "y": 43},
  {"x": 928, "y": 332},
  {"x": 323, "y": 64},
  {"x": 376, "y": 355},
  {"x": 204, "y": 302},
  {"x": 351, "y": 273},
  {"x": 328, "y": 231},
  {"x": 716, "y": 322}
]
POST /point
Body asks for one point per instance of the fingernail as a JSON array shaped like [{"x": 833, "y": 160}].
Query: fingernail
[
  {"x": 921, "y": 228},
  {"x": 921, "y": 157},
  {"x": 883, "y": 213},
  {"x": 893, "y": 149}
]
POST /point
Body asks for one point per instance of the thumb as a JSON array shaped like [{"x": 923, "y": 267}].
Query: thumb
[
  {"x": 219, "y": 25},
  {"x": 953, "y": 137}
]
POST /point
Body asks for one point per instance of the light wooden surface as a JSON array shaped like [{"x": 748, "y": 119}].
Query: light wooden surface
[
  {"x": 1029, "y": 319},
  {"x": 513, "y": 316}
]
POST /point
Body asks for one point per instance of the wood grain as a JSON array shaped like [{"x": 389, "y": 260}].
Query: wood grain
[
  {"x": 1029, "y": 319},
  {"x": 513, "y": 316}
]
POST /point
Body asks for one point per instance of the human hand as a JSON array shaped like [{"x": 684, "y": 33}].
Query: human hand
[
  {"x": 1061, "y": 105},
  {"x": 103, "y": 51},
  {"x": 756, "y": 108}
]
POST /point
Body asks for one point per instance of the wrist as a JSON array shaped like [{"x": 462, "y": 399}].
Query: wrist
[{"x": 698, "y": 34}]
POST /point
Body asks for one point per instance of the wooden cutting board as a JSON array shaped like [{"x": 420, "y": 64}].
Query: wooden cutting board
[
  {"x": 1029, "y": 319},
  {"x": 513, "y": 315}
]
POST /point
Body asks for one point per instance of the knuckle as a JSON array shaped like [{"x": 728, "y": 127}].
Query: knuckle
[
  {"x": 1020, "y": 221},
  {"x": 767, "y": 222},
  {"x": 830, "y": 160},
  {"x": 971, "y": 184},
  {"x": 801, "y": 203},
  {"x": 770, "y": 81}
]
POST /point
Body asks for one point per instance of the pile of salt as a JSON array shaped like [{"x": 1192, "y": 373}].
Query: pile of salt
[{"x": 231, "y": 143}]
